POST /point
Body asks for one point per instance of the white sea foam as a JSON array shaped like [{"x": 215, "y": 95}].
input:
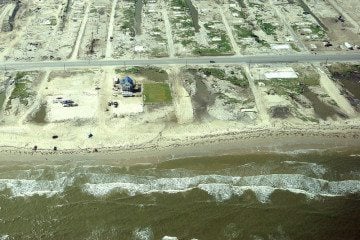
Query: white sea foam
[
  {"x": 317, "y": 169},
  {"x": 221, "y": 187},
  {"x": 224, "y": 187},
  {"x": 4, "y": 237},
  {"x": 169, "y": 238},
  {"x": 143, "y": 234},
  {"x": 25, "y": 187}
]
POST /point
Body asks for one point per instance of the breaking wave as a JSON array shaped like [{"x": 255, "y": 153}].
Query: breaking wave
[
  {"x": 224, "y": 187},
  {"x": 221, "y": 187},
  {"x": 25, "y": 187}
]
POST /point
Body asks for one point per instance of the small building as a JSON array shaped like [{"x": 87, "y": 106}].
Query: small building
[
  {"x": 127, "y": 84},
  {"x": 216, "y": 39},
  {"x": 348, "y": 46},
  {"x": 139, "y": 49}
]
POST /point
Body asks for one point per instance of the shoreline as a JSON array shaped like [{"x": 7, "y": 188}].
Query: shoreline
[{"x": 231, "y": 143}]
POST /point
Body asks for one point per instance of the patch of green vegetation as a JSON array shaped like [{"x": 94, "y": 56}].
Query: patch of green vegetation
[
  {"x": 20, "y": 90},
  {"x": 268, "y": 28},
  {"x": 2, "y": 99},
  {"x": 316, "y": 29},
  {"x": 296, "y": 85},
  {"x": 186, "y": 42},
  {"x": 53, "y": 22},
  {"x": 187, "y": 24},
  {"x": 19, "y": 76},
  {"x": 158, "y": 53},
  {"x": 284, "y": 86},
  {"x": 208, "y": 26},
  {"x": 223, "y": 47},
  {"x": 155, "y": 93},
  {"x": 218, "y": 73},
  {"x": 178, "y": 3},
  {"x": 241, "y": 82},
  {"x": 159, "y": 38},
  {"x": 224, "y": 44},
  {"x": 221, "y": 75},
  {"x": 333, "y": 103},
  {"x": 343, "y": 70},
  {"x": 209, "y": 52},
  {"x": 257, "y": 5},
  {"x": 240, "y": 13},
  {"x": 303, "y": 117},
  {"x": 306, "y": 8},
  {"x": 260, "y": 41},
  {"x": 294, "y": 47},
  {"x": 151, "y": 73},
  {"x": 187, "y": 33},
  {"x": 129, "y": 23},
  {"x": 230, "y": 100},
  {"x": 243, "y": 32},
  {"x": 241, "y": 3}
]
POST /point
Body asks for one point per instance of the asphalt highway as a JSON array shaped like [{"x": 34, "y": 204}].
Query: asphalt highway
[{"x": 253, "y": 59}]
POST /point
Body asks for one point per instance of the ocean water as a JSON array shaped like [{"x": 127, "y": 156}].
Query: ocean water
[{"x": 312, "y": 195}]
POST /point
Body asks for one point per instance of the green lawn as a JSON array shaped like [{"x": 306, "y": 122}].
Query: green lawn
[
  {"x": 156, "y": 93},
  {"x": 21, "y": 90}
]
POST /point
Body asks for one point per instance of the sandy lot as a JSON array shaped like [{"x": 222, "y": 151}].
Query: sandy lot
[{"x": 208, "y": 104}]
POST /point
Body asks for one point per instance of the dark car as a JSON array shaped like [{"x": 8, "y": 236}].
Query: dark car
[{"x": 212, "y": 61}]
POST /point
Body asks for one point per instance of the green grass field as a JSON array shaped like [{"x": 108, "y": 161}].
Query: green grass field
[{"x": 156, "y": 93}]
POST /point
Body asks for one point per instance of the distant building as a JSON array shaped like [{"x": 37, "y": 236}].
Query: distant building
[
  {"x": 139, "y": 49},
  {"x": 348, "y": 46}
]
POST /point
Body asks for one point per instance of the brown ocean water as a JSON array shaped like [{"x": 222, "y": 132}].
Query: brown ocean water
[{"x": 312, "y": 195}]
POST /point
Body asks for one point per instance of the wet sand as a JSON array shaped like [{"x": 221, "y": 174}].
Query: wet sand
[{"x": 256, "y": 142}]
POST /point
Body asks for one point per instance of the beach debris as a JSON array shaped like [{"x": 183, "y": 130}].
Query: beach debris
[
  {"x": 35, "y": 148},
  {"x": 90, "y": 135},
  {"x": 55, "y": 137},
  {"x": 96, "y": 150}
]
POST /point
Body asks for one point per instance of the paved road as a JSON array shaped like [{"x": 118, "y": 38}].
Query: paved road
[{"x": 264, "y": 59}]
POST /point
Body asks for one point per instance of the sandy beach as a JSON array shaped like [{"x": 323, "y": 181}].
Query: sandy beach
[{"x": 175, "y": 144}]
